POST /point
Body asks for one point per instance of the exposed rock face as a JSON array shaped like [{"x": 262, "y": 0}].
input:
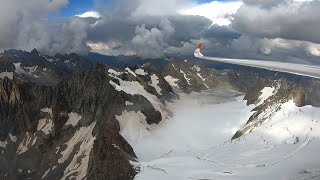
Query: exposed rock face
[
  {"x": 71, "y": 130},
  {"x": 42, "y": 121},
  {"x": 285, "y": 89},
  {"x": 193, "y": 76},
  {"x": 299, "y": 97},
  {"x": 20, "y": 104},
  {"x": 39, "y": 68}
]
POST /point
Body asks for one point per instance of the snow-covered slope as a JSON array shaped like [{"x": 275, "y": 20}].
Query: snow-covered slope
[{"x": 195, "y": 143}]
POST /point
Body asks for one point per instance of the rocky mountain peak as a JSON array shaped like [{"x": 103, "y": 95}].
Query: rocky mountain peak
[{"x": 35, "y": 52}]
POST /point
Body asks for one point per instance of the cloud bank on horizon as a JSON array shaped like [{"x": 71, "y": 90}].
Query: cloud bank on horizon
[{"x": 284, "y": 30}]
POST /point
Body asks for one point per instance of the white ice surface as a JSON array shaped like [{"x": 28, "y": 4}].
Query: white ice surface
[
  {"x": 193, "y": 124},
  {"x": 195, "y": 143}
]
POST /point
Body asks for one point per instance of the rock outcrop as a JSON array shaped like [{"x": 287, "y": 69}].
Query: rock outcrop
[{"x": 71, "y": 130}]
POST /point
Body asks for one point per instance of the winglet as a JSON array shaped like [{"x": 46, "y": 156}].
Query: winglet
[
  {"x": 197, "y": 52},
  {"x": 199, "y": 45}
]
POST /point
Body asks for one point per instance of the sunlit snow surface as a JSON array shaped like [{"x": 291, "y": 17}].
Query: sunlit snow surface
[{"x": 195, "y": 143}]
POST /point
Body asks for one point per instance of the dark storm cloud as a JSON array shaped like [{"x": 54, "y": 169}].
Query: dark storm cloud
[
  {"x": 264, "y": 3},
  {"x": 289, "y": 21},
  {"x": 24, "y": 26},
  {"x": 274, "y": 29},
  {"x": 140, "y": 26}
]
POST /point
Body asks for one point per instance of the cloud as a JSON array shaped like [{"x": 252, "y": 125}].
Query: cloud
[
  {"x": 24, "y": 25},
  {"x": 219, "y": 12},
  {"x": 294, "y": 21},
  {"x": 264, "y": 3},
  {"x": 152, "y": 42},
  {"x": 257, "y": 29},
  {"x": 141, "y": 28},
  {"x": 277, "y": 49},
  {"x": 284, "y": 30},
  {"x": 90, "y": 14}
]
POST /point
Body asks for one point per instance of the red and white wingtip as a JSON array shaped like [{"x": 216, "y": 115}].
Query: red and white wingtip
[{"x": 197, "y": 52}]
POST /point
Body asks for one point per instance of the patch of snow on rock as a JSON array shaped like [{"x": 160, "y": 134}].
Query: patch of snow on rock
[
  {"x": 266, "y": 93},
  {"x": 67, "y": 61},
  {"x": 13, "y": 138},
  {"x": 133, "y": 125},
  {"x": 45, "y": 125},
  {"x": 6, "y": 74},
  {"x": 47, "y": 110},
  {"x": 140, "y": 72},
  {"x": 83, "y": 136},
  {"x": 131, "y": 72},
  {"x": 185, "y": 76},
  {"x": 3, "y": 144},
  {"x": 45, "y": 174},
  {"x": 18, "y": 68},
  {"x": 200, "y": 76},
  {"x": 31, "y": 69},
  {"x": 134, "y": 87},
  {"x": 155, "y": 82},
  {"x": 52, "y": 60},
  {"x": 24, "y": 144},
  {"x": 171, "y": 81},
  {"x": 128, "y": 103},
  {"x": 78, "y": 166},
  {"x": 74, "y": 118},
  {"x": 113, "y": 72},
  {"x": 197, "y": 68}
]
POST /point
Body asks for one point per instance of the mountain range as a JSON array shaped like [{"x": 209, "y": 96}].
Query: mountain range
[{"x": 68, "y": 116}]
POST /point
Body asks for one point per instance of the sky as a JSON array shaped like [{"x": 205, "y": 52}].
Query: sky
[
  {"x": 75, "y": 7},
  {"x": 277, "y": 30}
]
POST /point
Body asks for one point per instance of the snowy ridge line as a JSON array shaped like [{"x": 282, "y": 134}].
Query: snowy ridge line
[{"x": 292, "y": 68}]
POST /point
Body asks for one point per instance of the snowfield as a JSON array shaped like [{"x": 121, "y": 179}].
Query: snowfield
[{"x": 196, "y": 142}]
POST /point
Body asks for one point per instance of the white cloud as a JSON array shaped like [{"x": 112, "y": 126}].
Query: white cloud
[
  {"x": 303, "y": 0},
  {"x": 90, "y": 14},
  {"x": 218, "y": 12},
  {"x": 314, "y": 50}
]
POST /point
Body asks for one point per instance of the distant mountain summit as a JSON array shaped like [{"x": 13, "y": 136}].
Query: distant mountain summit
[{"x": 42, "y": 69}]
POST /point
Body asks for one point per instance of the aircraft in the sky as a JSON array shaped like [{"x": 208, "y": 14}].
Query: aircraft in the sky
[{"x": 299, "y": 69}]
